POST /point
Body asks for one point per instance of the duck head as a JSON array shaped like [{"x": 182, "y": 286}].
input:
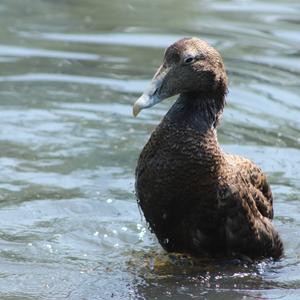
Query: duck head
[{"x": 190, "y": 67}]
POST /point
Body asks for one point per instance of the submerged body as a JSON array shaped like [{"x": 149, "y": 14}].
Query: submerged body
[{"x": 196, "y": 198}]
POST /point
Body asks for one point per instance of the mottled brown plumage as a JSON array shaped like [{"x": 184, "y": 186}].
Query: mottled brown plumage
[{"x": 196, "y": 198}]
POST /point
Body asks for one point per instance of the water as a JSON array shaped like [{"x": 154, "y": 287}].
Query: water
[{"x": 70, "y": 72}]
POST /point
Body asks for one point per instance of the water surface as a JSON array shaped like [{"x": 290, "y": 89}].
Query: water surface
[{"x": 70, "y": 72}]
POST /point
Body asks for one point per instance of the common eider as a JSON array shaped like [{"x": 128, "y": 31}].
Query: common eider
[{"x": 196, "y": 198}]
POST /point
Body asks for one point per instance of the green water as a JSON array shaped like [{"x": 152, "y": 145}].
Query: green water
[{"x": 70, "y": 72}]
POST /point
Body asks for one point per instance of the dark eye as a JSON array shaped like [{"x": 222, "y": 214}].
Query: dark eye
[{"x": 188, "y": 60}]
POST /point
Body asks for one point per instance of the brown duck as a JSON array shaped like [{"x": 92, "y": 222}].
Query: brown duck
[{"x": 196, "y": 198}]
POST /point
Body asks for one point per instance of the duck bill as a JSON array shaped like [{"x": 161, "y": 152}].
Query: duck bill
[{"x": 152, "y": 94}]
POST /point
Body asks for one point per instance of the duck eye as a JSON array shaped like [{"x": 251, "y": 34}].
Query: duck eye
[{"x": 188, "y": 60}]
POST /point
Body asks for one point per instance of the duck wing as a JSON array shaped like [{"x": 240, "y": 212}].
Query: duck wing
[
  {"x": 256, "y": 182},
  {"x": 246, "y": 199}
]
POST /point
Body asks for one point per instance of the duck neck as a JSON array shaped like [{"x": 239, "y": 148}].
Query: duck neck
[{"x": 199, "y": 111}]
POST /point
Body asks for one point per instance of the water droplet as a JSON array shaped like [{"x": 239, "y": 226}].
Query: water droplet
[
  {"x": 109, "y": 200},
  {"x": 96, "y": 233},
  {"x": 50, "y": 248},
  {"x": 142, "y": 233}
]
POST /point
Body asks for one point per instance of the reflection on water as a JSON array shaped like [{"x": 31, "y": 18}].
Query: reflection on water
[{"x": 70, "y": 71}]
